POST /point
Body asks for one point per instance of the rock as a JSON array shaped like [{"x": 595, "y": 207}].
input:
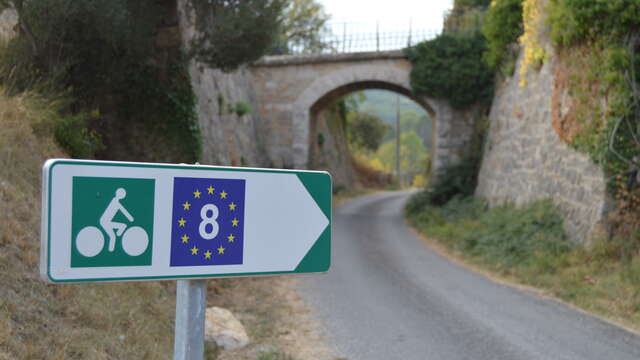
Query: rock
[{"x": 224, "y": 329}]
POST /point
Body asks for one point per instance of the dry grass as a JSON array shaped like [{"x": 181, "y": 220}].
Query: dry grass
[
  {"x": 109, "y": 321},
  {"x": 279, "y": 324},
  {"x": 369, "y": 176},
  {"x": 41, "y": 321}
]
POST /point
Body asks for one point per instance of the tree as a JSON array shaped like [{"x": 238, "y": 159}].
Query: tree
[
  {"x": 303, "y": 25},
  {"x": 366, "y": 131},
  {"x": 414, "y": 157},
  {"x": 233, "y": 32}
]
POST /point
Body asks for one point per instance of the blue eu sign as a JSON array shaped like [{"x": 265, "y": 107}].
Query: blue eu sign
[{"x": 208, "y": 221}]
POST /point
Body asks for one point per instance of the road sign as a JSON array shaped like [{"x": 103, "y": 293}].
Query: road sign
[{"x": 112, "y": 221}]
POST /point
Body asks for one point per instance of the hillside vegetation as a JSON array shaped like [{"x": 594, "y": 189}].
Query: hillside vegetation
[
  {"x": 595, "y": 45},
  {"x": 40, "y": 321}
]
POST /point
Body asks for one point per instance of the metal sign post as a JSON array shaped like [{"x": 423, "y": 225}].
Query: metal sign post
[{"x": 191, "y": 298}]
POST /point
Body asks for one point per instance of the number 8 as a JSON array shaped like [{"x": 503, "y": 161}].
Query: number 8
[{"x": 206, "y": 220}]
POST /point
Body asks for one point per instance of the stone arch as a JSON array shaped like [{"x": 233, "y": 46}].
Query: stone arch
[
  {"x": 327, "y": 89},
  {"x": 289, "y": 87}
]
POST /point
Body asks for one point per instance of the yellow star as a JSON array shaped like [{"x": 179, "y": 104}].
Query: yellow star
[
  {"x": 196, "y": 194},
  {"x": 207, "y": 255},
  {"x": 182, "y": 221},
  {"x": 232, "y": 206},
  {"x": 231, "y": 237},
  {"x": 220, "y": 250},
  {"x": 194, "y": 251},
  {"x": 210, "y": 189},
  {"x": 186, "y": 205},
  {"x": 235, "y": 222},
  {"x": 185, "y": 239},
  {"x": 223, "y": 195}
]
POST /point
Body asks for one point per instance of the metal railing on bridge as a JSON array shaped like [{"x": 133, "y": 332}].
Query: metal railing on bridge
[{"x": 351, "y": 37}]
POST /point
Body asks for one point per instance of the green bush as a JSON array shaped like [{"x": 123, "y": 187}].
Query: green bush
[
  {"x": 234, "y": 32},
  {"x": 458, "y": 181},
  {"x": 72, "y": 134},
  {"x": 504, "y": 236},
  {"x": 502, "y": 28},
  {"x": 451, "y": 67},
  {"x": 242, "y": 108},
  {"x": 366, "y": 131},
  {"x": 509, "y": 235},
  {"x": 576, "y": 20}
]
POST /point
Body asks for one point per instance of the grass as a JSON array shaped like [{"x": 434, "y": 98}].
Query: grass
[
  {"x": 527, "y": 245},
  {"x": 37, "y": 320}
]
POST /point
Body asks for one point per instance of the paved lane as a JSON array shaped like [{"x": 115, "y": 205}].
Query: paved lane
[{"x": 388, "y": 296}]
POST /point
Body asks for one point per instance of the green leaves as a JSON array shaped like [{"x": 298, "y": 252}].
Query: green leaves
[
  {"x": 234, "y": 32},
  {"x": 502, "y": 27},
  {"x": 451, "y": 67},
  {"x": 366, "y": 131},
  {"x": 576, "y": 20}
]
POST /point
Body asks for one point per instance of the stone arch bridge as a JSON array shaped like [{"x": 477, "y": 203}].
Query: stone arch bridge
[{"x": 291, "y": 90}]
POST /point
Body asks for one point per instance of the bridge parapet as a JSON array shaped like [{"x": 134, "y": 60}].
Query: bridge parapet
[{"x": 306, "y": 59}]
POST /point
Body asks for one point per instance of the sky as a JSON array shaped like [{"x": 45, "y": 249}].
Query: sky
[
  {"x": 426, "y": 14},
  {"x": 370, "y": 25}
]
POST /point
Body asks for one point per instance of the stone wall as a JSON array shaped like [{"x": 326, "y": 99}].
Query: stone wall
[
  {"x": 8, "y": 22},
  {"x": 328, "y": 149},
  {"x": 525, "y": 160},
  {"x": 227, "y": 137}
]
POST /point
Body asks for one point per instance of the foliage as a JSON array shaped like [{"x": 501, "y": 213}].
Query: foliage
[
  {"x": 80, "y": 42},
  {"x": 73, "y": 135},
  {"x": 503, "y": 236},
  {"x": 606, "y": 35},
  {"x": 534, "y": 52},
  {"x": 414, "y": 157},
  {"x": 450, "y": 67},
  {"x": 465, "y": 16},
  {"x": 459, "y": 180},
  {"x": 242, "y": 108},
  {"x": 365, "y": 131},
  {"x": 369, "y": 171},
  {"x": 468, "y": 3},
  {"x": 304, "y": 24},
  {"x": 102, "y": 55},
  {"x": 573, "y": 21},
  {"x": 502, "y": 28},
  {"x": 234, "y": 32},
  {"x": 163, "y": 111}
]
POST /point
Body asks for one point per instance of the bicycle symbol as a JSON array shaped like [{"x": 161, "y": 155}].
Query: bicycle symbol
[{"x": 90, "y": 240}]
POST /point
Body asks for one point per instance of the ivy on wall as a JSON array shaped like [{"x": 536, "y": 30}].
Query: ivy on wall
[
  {"x": 599, "y": 41},
  {"x": 451, "y": 67}
]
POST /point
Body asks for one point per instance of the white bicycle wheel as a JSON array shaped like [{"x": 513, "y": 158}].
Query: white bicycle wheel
[
  {"x": 135, "y": 241},
  {"x": 90, "y": 241}
]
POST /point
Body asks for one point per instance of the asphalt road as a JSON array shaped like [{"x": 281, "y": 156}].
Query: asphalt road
[{"x": 388, "y": 296}]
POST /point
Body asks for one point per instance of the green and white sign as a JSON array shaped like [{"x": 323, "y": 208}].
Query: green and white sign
[{"x": 111, "y": 221}]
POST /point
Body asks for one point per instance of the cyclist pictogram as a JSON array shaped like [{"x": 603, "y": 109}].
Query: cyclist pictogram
[
  {"x": 90, "y": 240},
  {"x": 112, "y": 221}
]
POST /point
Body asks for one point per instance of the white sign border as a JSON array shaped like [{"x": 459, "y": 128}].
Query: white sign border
[{"x": 45, "y": 263}]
